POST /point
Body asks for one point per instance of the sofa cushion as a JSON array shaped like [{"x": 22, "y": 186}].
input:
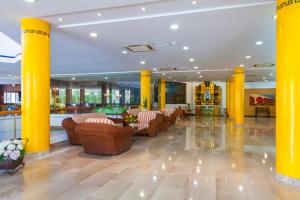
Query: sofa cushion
[
  {"x": 168, "y": 111},
  {"x": 99, "y": 121},
  {"x": 81, "y": 118},
  {"x": 146, "y": 116}
]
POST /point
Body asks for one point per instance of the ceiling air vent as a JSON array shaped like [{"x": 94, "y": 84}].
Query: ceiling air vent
[
  {"x": 136, "y": 48},
  {"x": 264, "y": 65},
  {"x": 166, "y": 69}
]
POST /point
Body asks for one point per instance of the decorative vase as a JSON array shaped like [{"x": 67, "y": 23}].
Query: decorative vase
[{"x": 10, "y": 164}]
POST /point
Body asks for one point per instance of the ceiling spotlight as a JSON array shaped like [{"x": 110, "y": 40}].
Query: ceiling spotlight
[
  {"x": 155, "y": 69},
  {"x": 124, "y": 52},
  {"x": 195, "y": 67},
  {"x": 143, "y": 9},
  {"x": 248, "y": 57},
  {"x": 30, "y": 1},
  {"x": 185, "y": 48},
  {"x": 60, "y": 19},
  {"x": 174, "y": 26},
  {"x": 194, "y": 2},
  {"x": 259, "y": 42},
  {"x": 200, "y": 76},
  {"x": 94, "y": 35},
  {"x": 143, "y": 62},
  {"x": 192, "y": 60},
  {"x": 73, "y": 78},
  {"x": 275, "y": 17},
  {"x": 264, "y": 78},
  {"x": 173, "y": 43},
  {"x": 242, "y": 65},
  {"x": 99, "y": 14},
  {"x": 106, "y": 77},
  {"x": 271, "y": 74},
  {"x": 170, "y": 77}
]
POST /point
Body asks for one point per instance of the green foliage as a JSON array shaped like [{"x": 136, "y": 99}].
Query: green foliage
[{"x": 131, "y": 119}]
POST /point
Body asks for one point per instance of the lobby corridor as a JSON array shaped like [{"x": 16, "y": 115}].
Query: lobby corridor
[{"x": 201, "y": 158}]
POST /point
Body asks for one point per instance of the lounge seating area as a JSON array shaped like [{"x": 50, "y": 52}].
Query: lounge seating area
[{"x": 99, "y": 134}]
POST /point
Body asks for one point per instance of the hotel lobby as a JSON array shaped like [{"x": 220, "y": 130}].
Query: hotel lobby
[{"x": 149, "y": 99}]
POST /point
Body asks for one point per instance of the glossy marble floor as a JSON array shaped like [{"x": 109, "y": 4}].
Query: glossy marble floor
[{"x": 201, "y": 158}]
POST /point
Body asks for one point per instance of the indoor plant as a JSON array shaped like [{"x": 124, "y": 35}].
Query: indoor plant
[{"x": 131, "y": 120}]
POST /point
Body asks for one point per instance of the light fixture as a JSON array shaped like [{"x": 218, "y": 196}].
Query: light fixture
[
  {"x": 99, "y": 14},
  {"x": 275, "y": 17},
  {"x": 198, "y": 72},
  {"x": 174, "y": 26},
  {"x": 60, "y": 19},
  {"x": 248, "y": 57},
  {"x": 194, "y": 2},
  {"x": 73, "y": 78},
  {"x": 264, "y": 78},
  {"x": 173, "y": 43},
  {"x": 200, "y": 76},
  {"x": 259, "y": 43},
  {"x": 94, "y": 34},
  {"x": 143, "y": 62},
  {"x": 241, "y": 188},
  {"x": 170, "y": 77},
  {"x": 242, "y": 65},
  {"x": 106, "y": 77},
  {"x": 192, "y": 60},
  {"x": 124, "y": 52},
  {"x": 143, "y": 9},
  {"x": 195, "y": 67},
  {"x": 271, "y": 74},
  {"x": 163, "y": 74},
  {"x": 185, "y": 48},
  {"x": 30, "y": 1},
  {"x": 155, "y": 69}
]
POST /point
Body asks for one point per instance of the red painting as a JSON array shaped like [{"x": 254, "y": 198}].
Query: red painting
[{"x": 262, "y": 99}]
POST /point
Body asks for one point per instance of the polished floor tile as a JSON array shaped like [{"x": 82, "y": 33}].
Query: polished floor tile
[{"x": 201, "y": 158}]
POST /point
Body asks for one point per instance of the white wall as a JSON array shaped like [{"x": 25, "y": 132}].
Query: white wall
[{"x": 259, "y": 85}]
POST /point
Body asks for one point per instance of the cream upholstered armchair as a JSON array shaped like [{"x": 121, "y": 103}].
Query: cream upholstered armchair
[{"x": 148, "y": 123}]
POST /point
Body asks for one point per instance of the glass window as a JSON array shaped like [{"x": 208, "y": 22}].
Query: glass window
[
  {"x": 75, "y": 96},
  {"x": 115, "y": 96},
  {"x": 11, "y": 97},
  {"x": 127, "y": 96},
  {"x": 93, "y": 96},
  {"x": 62, "y": 95}
]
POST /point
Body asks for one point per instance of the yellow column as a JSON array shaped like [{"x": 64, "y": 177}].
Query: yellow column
[
  {"x": 227, "y": 97},
  {"x": 162, "y": 93},
  {"x": 145, "y": 89},
  {"x": 231, "y": 99},
  {"x": 288, "y": 92},
  {"x": 239, "y": 95},
  {"x": 35, "y": 67}
]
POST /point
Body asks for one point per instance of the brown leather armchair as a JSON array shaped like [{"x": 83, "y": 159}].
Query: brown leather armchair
[
  {"x": 69, "y": 125},
  {"x": 163, "y": 122},
  {"x": 148, "y": 123},
  {"x": 104, "y": 139}
]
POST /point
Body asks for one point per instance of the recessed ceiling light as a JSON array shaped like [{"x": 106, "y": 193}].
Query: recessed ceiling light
[
  {"x": 155, "y": 69},
  {"x": 106, "y": 77},
  {"x": 170, "y": 77},
  {"x": 174, "y": 26},
  {"x": 60, "y": 19},
  {"x": 271, "y": 74},
  {"x": 192, "y": 60},
  {"x": 173, "y": 43},
  {"x": 200, "y": 76},
  {"x": 94, "y": 34},
  {"x": 99, "y": 14},
  {"x": 242, "y": 65},
  {"x": 143, "y": 62},
  {"x": 185, "y": 48},
  {"x": 248, "y": 57},
  {"x": 194, "y": 2},
  {"x": 124, "y": 52},
  {"x": 30, "y": 1},
  {"x": 259, "y": 42},
  {"x": 143, "y": 9},
  {"x": 275, "y": 17},
  {"x": 73, "y": 78},
  {"x": 195, "y": 67}
]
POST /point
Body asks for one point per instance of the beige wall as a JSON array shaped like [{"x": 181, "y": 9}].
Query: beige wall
[{"x": 250, "y": 110}]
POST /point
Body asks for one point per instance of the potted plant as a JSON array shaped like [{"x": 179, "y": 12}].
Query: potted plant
[
  {"x": 12, "y": 153},
  {"x": 131, "y": 120}
]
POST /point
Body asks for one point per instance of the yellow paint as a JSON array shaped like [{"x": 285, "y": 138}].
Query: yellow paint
[
  {"x": 145, "y": 88},
  {"x": 288, "y": 91},
  {"x": 227, "y": 97},
  {"x": 162, "y": 94},
  {"x": 35, "y": 67},
  {"x": 239, "y": 95},
  {"x": 231, "y": 99}
]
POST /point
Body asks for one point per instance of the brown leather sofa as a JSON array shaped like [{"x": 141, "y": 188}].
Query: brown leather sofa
[
  {"x": 104, "y": 138},
  {"x": 69, "y": 125},
  {"x": 163, "y": 122},
  {"x": 148, "y": 127}
]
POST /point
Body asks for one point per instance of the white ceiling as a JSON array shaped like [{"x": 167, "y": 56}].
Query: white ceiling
[{"x": 219, "y": 33}]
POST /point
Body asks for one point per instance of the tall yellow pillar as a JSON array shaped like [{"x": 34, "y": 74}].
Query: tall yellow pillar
[
  {"x": 162, "y": 93},
  {"x": 145, "y": 89},
  {"x": 35, "y": 67},
  {"x": 231, "y": 99},
  {"x": 227, "y": 97},
  {"x": 288, "y": 92},
  {"x": 239, "y": 95}
]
